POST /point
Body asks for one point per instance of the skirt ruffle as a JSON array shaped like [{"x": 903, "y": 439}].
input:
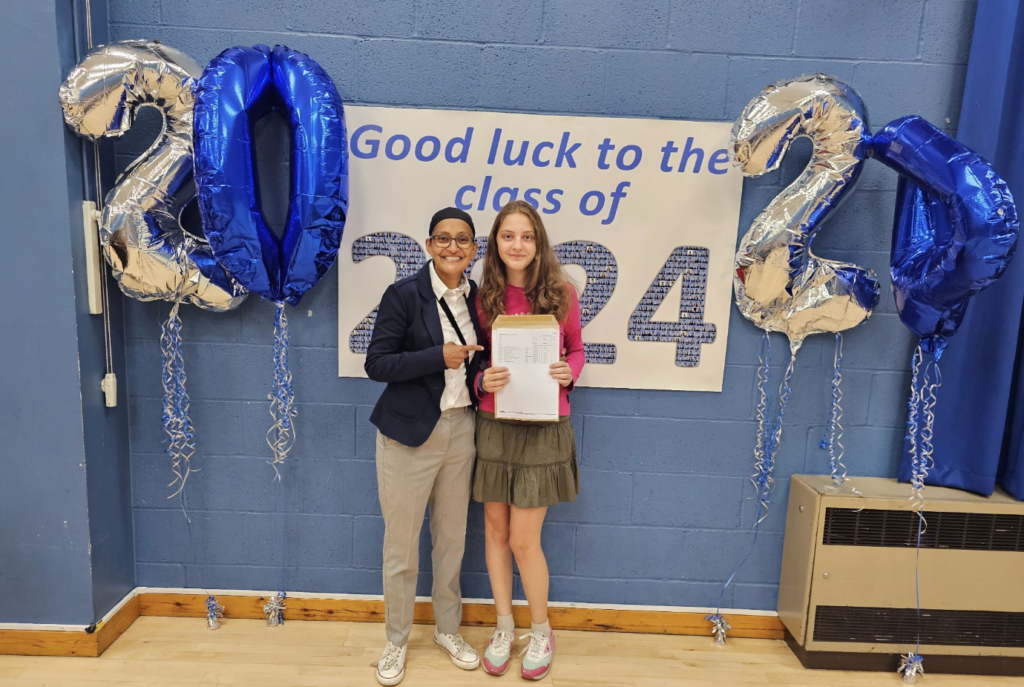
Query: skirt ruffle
[{"x": 527, "y": 465}]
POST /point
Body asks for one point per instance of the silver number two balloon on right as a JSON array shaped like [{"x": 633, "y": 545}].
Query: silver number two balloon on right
[{"x": 779, "y": 283}]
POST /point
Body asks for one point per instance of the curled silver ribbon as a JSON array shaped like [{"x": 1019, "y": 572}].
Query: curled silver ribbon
[
  {"x": 177, "y": 418},
  {"x": 763, "y": 476},
  {"x": 764, "y": 374},
  {"x": 921, "y": 422},
  {"x": 281, "y": 435},
  {"x": 834, "y": 440},
  {"x": 932, "y": 382}
]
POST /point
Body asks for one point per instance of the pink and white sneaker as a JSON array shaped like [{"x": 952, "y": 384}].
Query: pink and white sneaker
[
  {"x": 539, "y": 654},
  {"x": 496, "y": 657}
]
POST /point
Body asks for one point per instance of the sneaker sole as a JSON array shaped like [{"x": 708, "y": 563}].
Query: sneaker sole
[
  {"x": 497, "y": 674},
  {"x": 536, "y": 677},
  {"x": 390, "y": 681},
  {"x": 458, "y": 663}
]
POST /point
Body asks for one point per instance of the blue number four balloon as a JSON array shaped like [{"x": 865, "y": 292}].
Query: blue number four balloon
[
  {"x": 238, "y": 87},
  {"x": 954, "y": 232},
  {"x": 955, "y": 227}
]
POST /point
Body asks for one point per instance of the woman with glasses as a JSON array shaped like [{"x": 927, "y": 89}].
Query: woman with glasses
[{"x": 423, "y": 346}]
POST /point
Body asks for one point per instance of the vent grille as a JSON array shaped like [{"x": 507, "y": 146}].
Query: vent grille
[
  {"x": 945, "y": 530},
  {"x": 900, "y": 626}
]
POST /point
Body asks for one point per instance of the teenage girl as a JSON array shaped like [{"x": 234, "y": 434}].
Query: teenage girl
[{"x": 523, "y": 467}]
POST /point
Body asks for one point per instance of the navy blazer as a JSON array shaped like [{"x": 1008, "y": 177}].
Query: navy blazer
[{"x": 406, "y": 351}]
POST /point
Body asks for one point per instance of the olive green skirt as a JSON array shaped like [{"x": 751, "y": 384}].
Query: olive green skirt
[{"x": 525, "y": 464}]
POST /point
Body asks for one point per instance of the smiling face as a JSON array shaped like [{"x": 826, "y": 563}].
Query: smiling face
[
  {"x": 517, "y": 243},
  {"x": 451, "y": 261}
]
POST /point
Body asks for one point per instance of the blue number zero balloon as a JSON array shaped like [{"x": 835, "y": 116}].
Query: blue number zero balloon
[
  {"x": 237, "y": 88},
  {"x": 955, "y": 228}
]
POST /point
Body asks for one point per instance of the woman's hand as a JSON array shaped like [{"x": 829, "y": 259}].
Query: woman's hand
[
  {"x": 561, "y": 372},
  {"x": 495, "y": 379},
  {"x": 455, "y": 355}
]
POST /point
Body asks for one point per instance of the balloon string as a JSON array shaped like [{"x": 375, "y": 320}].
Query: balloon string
[
  {"x": 177, "y": 422},
  {"x": 275, "y": 606},
  {"x": 281, "y": 435},
  {"x": 720, "y": 626},
  {"x": 764, "y": 402},
  {"x": 929, "y": 387},
  {"x": 911, "y": 664},
  {"x": 214, "y": 610},
  {"x": 920, "y": 428},
  {"x": 916, "y": 481},
  {"x": 921, "y": 526},
  {"x": 833, "y": 437},
  {"x": 762, "y": 478}
]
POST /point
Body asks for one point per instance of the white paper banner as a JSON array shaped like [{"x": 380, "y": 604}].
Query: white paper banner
[{"x": 643, "y": 213}]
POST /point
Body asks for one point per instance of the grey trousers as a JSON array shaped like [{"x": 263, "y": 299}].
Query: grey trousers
[{"x": 437, "y": 474}]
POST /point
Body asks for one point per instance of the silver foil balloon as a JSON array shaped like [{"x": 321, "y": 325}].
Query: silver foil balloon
[
  {"x": 780, "y": 284},
  {"x": 152, "y": 257}
]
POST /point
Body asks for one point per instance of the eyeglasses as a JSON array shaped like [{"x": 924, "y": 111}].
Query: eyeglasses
[{"x": 444, "y": 240}]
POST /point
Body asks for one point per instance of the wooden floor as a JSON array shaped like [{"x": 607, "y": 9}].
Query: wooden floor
[{"x": 178, "y": 651}]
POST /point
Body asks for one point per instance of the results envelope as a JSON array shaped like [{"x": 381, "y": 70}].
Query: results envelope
[{"x": 527, "y": 345}]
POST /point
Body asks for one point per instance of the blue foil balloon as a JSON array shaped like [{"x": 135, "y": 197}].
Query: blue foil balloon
[
  {"x": 237, "y": 88},
  {"x": 955, "y": 228},
  {"x": 954, "y": 232}
]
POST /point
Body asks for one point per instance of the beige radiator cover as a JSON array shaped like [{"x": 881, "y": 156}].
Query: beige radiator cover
[{"x": 816, "y": 575}]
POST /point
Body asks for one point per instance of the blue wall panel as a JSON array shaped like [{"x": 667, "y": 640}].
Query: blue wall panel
[{"x": 662, "y": 517}]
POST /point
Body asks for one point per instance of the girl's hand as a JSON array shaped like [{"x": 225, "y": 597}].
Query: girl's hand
[
  {"x": 495, "y": 378},
  {"x": 561, "y": 372}
]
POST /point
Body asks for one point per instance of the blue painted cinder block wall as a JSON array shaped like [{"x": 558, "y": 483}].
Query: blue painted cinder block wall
[{"x": 662, "y": 518}]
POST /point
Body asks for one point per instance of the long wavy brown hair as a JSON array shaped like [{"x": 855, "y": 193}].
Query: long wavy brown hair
[{"x": 546, "y": 282}]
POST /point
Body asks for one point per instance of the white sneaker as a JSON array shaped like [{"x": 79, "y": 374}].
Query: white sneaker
[
  {"x": 462, "y": 654},
  {"x": 391, "y": 665}
]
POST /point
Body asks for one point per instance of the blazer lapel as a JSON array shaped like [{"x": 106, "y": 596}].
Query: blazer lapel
[
  {"x": 471, "y": 302},
  {"x": 428, "y": 305}
]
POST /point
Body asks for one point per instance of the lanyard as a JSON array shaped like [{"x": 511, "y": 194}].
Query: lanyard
[{"x": 451, "y": 318}]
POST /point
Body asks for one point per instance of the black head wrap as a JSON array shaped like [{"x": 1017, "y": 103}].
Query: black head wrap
[{"x": 451, "y": 213}]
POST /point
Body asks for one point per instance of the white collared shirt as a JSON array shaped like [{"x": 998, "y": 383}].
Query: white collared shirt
[{"x": 456, "y": 393}]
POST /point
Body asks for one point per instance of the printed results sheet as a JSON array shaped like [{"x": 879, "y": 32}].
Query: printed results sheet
[{"x": 527, "y": 345}]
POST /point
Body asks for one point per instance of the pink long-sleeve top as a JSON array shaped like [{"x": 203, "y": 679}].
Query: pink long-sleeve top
[{"x": 570, "y": 337}]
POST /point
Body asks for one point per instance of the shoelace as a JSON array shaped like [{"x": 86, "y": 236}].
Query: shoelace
[
  {"x": 502, "y": 642},
  {"x": 535, "y": 649},
  {"x": 390, "y": 657},
  {"x": 459, "y": 642}
]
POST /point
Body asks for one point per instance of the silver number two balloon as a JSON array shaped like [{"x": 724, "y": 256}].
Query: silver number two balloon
[{"x": 151, "y": 255}]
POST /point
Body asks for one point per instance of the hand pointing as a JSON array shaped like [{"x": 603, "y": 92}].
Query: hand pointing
[{"x": 455, "y": 355}]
